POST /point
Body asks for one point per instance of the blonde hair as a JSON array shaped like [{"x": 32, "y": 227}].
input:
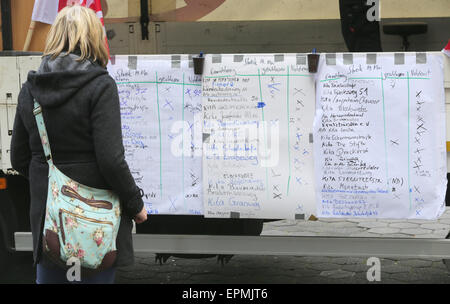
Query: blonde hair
[{"x": 77, "y": 27}]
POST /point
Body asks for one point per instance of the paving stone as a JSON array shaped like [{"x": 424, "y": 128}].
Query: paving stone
[
  {"x": 403, "y": 225},
  {"x": 348, "y": 260},
  {"x": 343, "y": 225},
  {"x": 177, "y": 275},
  {"x": 359, "y": 220},
  {"x": 142, "y": 273},
  {"x": 415, "y": 263},
  {"x": 435, "y": 226},
  {"x": 358, "y": 278},
  {"x": 314, "y": 260},
  {"x": 416, "y": 231},
  {"x": 434, "y": 259},
  {"x": 330, "y": 220},
  {"x": 431, "y": 275},
  {"x": 444, "y": 221},
  {"x": 404, "y": 276},
  {"x": 359, "y": 267},
  {"x": 312, "y": 225},
  {"x": 394, "y": 269},
  {"x": 337, "y": 274},
  {"x": 304, "y": 272},
  {"x": 420, "y": 221},
  {"x": 284, "y": 223},
  {"x": 439, "y": 264},
  {"x": 323, "y": 266},
  {"x": 446, "y": 263},
  {"x": 388, "y": 262},
  {"x": 393, "y": 220},
  {"x": 372, "y": 224},
  {"x": 384, "y": 230},
  {"x": 432, "y": 270}
]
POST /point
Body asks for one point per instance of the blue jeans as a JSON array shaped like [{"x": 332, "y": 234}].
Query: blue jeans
[{"x": 46, "y": 275}]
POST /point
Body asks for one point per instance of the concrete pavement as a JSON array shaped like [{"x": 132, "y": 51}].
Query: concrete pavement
[
  {"x": 294, "y": 269},
  {"x": 287, "y": 269}
]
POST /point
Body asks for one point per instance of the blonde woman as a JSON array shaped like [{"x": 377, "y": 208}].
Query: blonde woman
[{"x": 81, "y": 111}]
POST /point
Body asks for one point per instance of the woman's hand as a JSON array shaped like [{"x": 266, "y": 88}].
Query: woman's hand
[{"x": 141, "y": 216}]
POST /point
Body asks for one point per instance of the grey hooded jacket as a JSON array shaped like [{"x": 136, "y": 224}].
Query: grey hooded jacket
[{"x": 81, "y": 111}]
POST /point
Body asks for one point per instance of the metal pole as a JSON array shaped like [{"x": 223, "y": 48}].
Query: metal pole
[{"x": 6, "y": 25}]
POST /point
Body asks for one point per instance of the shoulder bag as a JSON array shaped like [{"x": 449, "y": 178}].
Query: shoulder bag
[{"x": 80, "y": 222}]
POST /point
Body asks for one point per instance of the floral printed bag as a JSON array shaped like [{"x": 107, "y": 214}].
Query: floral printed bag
[{"x": 80, "y": 221}]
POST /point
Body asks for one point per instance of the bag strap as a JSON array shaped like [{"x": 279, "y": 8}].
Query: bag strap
[{"x": 37, "y": 111}]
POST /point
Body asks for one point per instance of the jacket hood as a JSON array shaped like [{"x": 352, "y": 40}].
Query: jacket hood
[{"x": 57, "y": 80}]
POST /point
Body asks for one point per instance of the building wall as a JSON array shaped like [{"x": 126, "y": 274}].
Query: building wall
[
  {"x": 21, "y": 11},
  {"x": 258, "y": 10},
  {"x": 163, "y": 12},
  {"x": 21, "y": 17},
  {"x": 318, "y": 10},
  {"x": 284, "y": 36}
]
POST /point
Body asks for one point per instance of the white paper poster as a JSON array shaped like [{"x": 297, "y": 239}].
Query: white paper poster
[
  {"x": 160, "y": 101},
  {"x": 257, "y": 153},
  {"x": 379, "y": 136}
]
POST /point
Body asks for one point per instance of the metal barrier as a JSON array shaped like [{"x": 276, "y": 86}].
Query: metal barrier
[{"x": 280, "y": 245}]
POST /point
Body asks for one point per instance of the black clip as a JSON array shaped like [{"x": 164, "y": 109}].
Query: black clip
[
  {"x": 199, "y": 62},
  {"x": 313, "y": 61}
]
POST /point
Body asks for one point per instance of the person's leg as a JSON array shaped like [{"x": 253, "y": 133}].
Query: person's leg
[
  {"x": 105, "y": 277},
  {"x": 47, "y": 275}
]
